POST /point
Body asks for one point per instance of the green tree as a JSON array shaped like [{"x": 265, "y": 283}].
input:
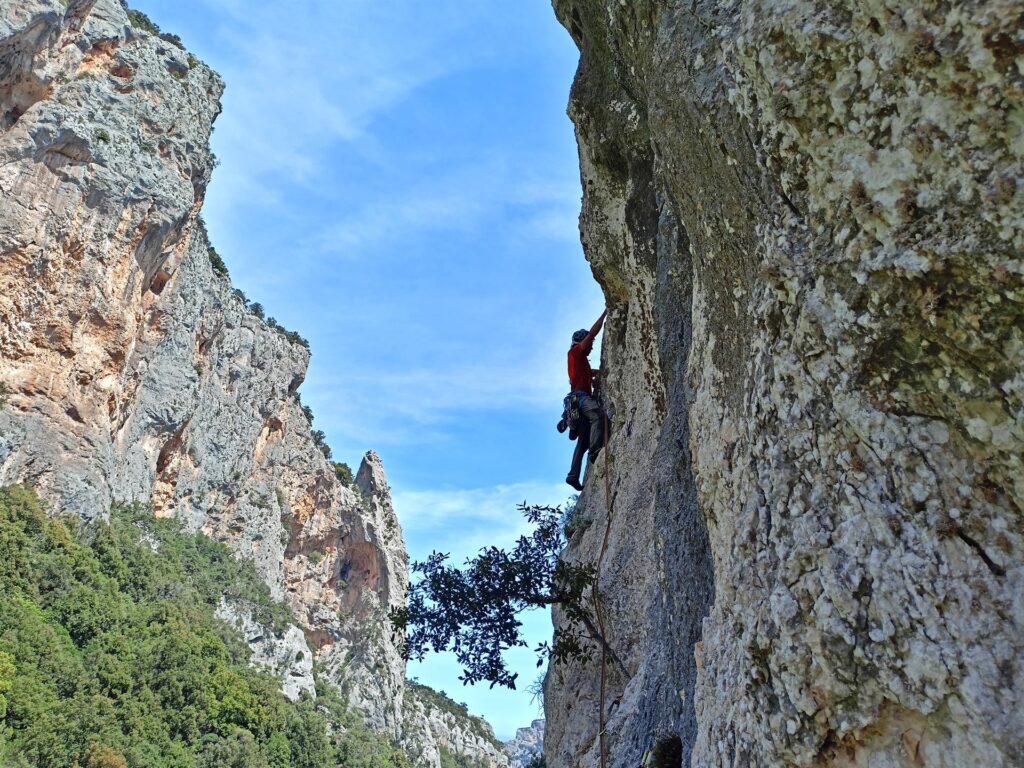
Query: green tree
[
  {"x": 343, "y": 472},
  {"x": 306, "y": 733},
  {"x": 238, "y": 750},
  {"x": 279, "y": 751},
  {"x": 474, "y": 611},
  {"x": 7, "y": 670},
  {"x": 103, "y": 756},
  {"x": 111, "y": 654}
]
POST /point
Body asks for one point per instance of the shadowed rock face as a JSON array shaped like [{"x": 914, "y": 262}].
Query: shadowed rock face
[{"x": 807, "y": 220}]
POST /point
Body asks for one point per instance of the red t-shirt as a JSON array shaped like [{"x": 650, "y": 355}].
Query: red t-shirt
[{"x": 581, "y": 376}]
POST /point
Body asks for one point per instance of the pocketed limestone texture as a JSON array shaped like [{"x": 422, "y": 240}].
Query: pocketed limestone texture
[{"x": 807, "y": 219}]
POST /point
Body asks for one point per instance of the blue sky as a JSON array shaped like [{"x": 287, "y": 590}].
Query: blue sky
[{"x": 398, "y": 183}]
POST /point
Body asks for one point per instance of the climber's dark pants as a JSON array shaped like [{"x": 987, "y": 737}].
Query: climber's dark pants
[{"x": 590, "y": 429}]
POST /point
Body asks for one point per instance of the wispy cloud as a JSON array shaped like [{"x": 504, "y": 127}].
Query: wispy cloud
[
  {"x": 462, "y": 521},
  {"x": 476, "y": 188},
  {"x": 375, "y": 407},
  {"x": 380, "y": 223},
  {"x": 305, "y": 75}
]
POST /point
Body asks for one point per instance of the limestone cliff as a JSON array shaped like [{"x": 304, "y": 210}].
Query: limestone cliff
[
  {"x": 527, "y": 745},
  {"x": 437, "y": 729},
  {"x": 807, "y": 220},
  {"x": 135, "y": 372},
  {"x": 132, "y": 371}
]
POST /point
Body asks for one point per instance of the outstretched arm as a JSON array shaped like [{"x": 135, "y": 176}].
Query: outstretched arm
[{"x": 588, "y": 340}]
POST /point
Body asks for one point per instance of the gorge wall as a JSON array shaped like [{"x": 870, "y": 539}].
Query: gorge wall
[
  {"x": 807, "y": 220},
  {"x": 133, "y": 372}
]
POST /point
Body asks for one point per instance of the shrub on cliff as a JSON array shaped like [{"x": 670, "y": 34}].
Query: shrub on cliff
[
  {"x": 451, "y": 759},
  {"x": 296, "y": 338},
  {"x": 320, "y": 441},
  {"x": 343, "y": 472},
  {"x": 216, "y": 262},
  {"x": 293, "y": 337},
  {"x": 457, "y": 711},
  {"x": 139, "y": 20}
]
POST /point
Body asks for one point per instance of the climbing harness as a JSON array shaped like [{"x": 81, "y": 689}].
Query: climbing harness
[{"x": 571, "y": 413}]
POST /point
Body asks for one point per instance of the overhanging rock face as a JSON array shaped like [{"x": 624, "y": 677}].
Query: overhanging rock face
[{"x": 807, "y": 220}]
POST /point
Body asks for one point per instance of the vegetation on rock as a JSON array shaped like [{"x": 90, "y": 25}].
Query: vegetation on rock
[
  {"x": 451, "y": 759},
  {"x": 320, "y": 440},
  {"x": 221, "y": 270},
  {"x": 343, "y": 472},
  {"x": 216, "y": 262},
  {"x": 110, "y": 654},
  {"x": 442, "y": 701},
  {"x": 141, "y": 21}
]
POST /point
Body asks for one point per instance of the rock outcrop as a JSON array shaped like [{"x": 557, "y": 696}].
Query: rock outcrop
[
  {"x": 807, "y": 220},
  {"x": 527, "y": 745},
  {"x": 437, "y": 729},
  {"x": 286, "y": 656},
  {"x": 133, "y": 372}
]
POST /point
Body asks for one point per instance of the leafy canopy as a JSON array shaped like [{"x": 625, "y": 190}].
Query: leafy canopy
[{"x": 473, "y": 611}]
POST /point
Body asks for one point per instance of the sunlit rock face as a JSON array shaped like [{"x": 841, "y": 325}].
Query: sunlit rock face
[
  {"x": 135, "y": 373},
  {"x": 527, "y": 745},
  {"x": 807, "y": 220},
  {"x": 437, "y": 730}
]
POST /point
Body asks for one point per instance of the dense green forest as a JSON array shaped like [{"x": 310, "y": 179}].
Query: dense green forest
[{"x": 111, "y": 656}]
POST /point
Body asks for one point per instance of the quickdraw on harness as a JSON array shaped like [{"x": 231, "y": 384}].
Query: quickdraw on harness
[{"x": 571, "y": 413}]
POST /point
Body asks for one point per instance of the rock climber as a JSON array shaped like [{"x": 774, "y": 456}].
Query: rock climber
[{"x": 589, "y": 426}]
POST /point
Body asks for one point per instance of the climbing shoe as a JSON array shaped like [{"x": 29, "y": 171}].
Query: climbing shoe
[{"x": 574, "y": 482}]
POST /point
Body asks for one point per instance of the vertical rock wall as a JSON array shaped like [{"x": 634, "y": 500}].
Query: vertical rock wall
[
  {"x": 132, "y": 371},
  {"x": 527, "y": 744},
  {"x": 135, "y": 373},
  {"x": 807, "y": 220}
]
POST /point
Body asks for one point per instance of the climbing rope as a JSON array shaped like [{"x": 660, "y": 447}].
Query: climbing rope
[{"x": 596, "y": 595}]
